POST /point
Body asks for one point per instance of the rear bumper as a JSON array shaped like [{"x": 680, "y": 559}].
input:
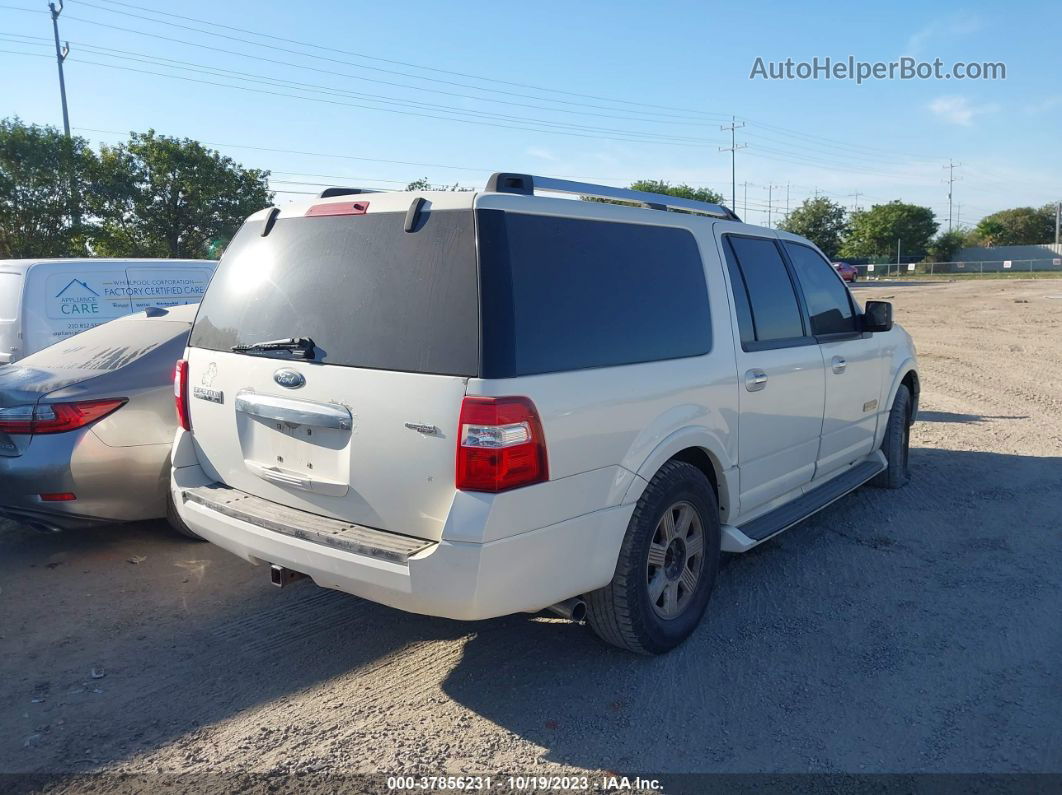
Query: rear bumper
[
  {"x": 452, "y": 579},
  {"x": 112, "y": 484}
]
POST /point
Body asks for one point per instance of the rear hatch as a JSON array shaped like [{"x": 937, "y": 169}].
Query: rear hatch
[{"x": 358, "y": 420}]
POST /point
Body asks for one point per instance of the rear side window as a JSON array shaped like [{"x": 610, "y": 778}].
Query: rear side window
[
  {"x": 368, "y": 293},
  {"x": 829, "y": 304},
  {"x": 761, "y": 280},
  {"x": 10, "y": 289},
  {"x": 571, "y": 294}
]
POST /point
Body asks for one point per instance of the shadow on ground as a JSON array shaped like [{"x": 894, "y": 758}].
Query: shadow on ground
[{"x": 907, "y": 630}]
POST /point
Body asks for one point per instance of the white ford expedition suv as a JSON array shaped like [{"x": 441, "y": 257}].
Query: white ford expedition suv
[{"x": 475, "y": 404}]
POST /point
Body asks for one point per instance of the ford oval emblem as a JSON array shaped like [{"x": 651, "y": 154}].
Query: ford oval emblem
[{"x": 292, "y": 379}]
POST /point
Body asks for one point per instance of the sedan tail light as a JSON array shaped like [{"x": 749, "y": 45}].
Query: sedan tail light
[
  {"x": 56, "y": 417},
  {"x": 500, "y": 444}
]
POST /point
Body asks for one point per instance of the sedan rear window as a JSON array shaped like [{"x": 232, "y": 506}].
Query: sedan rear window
[{"x": 368, "y": 293}]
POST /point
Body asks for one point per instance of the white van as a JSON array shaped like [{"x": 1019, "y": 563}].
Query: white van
[{"x": 45, "y": 300}]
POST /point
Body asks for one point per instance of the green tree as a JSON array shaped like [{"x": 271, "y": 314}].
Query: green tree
[
  {"x": 942, "y": 248},
  {"x": 157, "y": 196},
  {"x": 41, "y": 173},
  {"x": 423, "y": 184},
  {"x": 682, "y": 190},
  {"x": 821, "y": 221},
  {"x": 419, "y": 184},
  {"x": 1017, "y": 226},
  {"x": 874, "y": 232}
]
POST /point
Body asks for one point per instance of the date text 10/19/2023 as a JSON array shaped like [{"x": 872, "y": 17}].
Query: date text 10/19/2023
[{"x": 608, "y": 783}]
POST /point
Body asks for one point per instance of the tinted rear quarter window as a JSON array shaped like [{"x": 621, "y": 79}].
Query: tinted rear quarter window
[
  {"x": 569, "y": 294},
  {"x": 367, "y": 292},
  {"x": 771, "y": 296},
  {"x": 829, "y": 303}
]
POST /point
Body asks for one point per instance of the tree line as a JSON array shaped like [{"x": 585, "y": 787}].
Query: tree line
[
  {"x": 148, "y": 196},
  {"x": 157, "y": 196},
  {"x": 873, "y": 233}
]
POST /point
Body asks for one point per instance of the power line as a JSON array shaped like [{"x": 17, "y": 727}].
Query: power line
[
  {"x": 377, "y": 58},
  {"x": 622, "y": 137},
  {"x": 170, "y": 63}
]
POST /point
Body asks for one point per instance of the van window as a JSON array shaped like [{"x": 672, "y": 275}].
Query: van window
[
  {"x": 570, "y": 294},
  {"x": 775, "y": 313},
  {"x": 829, "y": 303},
  {"x": 10, "y": 287},
  {"x": 368, "y": 293}
]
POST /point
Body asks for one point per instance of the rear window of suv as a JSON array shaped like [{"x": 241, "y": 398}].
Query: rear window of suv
[
  {"x": 368, "y": 293},
  {"x": 535, "y": 294},
  {"x": 571, "y": 294}
]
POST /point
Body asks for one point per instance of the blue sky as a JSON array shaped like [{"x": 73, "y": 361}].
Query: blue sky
[{"x": 609, "y": 91}]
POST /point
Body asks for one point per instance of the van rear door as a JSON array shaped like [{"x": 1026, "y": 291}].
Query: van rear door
[
  {"x": 358, "y": 419},
  {"x": 10, "y": 329}
]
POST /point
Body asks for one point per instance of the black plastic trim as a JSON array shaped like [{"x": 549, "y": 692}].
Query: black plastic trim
[{"x": 815, "y": 500}]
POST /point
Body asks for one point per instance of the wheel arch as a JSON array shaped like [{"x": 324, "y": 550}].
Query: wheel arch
[{"x": 700, "y": 449}]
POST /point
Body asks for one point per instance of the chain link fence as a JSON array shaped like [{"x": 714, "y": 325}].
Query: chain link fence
[{"x": 969, "y": 268}]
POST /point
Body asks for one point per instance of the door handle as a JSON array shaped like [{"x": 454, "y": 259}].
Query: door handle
[
  {"x": 839, "y": 364},
  {"x": 755, "y": 380}
]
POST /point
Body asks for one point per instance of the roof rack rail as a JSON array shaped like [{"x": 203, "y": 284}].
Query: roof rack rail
[
  {"x": 528, "y": 184},
  {"x": 328, "y": 193}
]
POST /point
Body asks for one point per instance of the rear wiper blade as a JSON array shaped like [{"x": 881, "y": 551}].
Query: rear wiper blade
[{"x": 302, "y": 347}]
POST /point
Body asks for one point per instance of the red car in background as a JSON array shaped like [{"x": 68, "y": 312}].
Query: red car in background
[{"x": 848, "y": 272}]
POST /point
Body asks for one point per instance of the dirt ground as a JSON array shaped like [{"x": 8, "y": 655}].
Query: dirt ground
[{"x": 909, "y": 631}]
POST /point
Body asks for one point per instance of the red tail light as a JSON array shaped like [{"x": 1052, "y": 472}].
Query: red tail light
[
  {"x": 56, "y": 417},
  {"x": 500, "y": 444},
  {"x": 180, "y": 394}
]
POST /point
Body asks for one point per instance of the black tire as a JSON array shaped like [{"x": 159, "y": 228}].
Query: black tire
[
  {"x": 621, "y": 613},
  {"x": 897, "y": 442},
  {"x": 174, "y": 521}
]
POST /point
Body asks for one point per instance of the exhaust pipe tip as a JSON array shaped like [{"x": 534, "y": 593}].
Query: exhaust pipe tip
[{"x": 573, "y": 609}]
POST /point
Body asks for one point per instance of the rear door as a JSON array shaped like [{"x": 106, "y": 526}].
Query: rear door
[
  {"x": 780, "y": 374},
  {"x": 850, "y": 358},
  {"x": 10, "y": 329},
  {"x": 365, "y": 430}
]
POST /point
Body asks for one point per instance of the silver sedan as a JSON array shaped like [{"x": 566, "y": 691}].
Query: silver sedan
[{"x": 86, "y": 424}]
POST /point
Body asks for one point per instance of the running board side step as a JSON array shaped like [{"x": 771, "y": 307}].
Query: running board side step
[{"x": 744, "y": 538}]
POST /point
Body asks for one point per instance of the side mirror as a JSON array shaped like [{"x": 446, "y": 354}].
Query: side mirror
[{"x": 877, "y": 316}]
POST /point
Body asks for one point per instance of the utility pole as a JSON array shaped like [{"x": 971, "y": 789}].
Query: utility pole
[
  {"x": 855, "y": 204},
  {"x": 951, "y": 180},
  {"x": 787, "y": 199},
  {"x": 60, "y": 56},
  {"x": 745, "y": 214},
  {"x": 897, "y": 256},
  {"x": 1058, "y": 219},
  {"x": 770, "y": 201},
  {"x": 732, "y": 149}
]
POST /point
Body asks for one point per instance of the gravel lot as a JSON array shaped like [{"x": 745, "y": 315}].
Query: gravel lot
[{"x": 909, "y": 631}]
